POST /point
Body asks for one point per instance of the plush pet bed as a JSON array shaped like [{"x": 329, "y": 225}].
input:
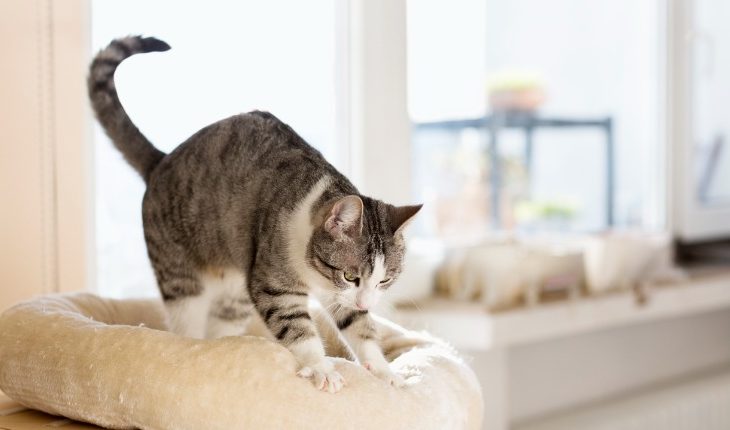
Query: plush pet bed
[{"x": 110, "y": 362}]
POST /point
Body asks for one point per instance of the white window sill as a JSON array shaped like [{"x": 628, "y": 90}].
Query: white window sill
[{"x": 469, "y": 326}]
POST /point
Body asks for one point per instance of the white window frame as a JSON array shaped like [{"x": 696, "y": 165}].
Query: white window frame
[
  {"x": 379, "y": 126},
  {"x": 373, "y": 122},
  {"x": 690, "y": 221}
]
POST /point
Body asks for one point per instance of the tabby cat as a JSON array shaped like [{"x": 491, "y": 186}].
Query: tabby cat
[{"x": 246, "y": 215}]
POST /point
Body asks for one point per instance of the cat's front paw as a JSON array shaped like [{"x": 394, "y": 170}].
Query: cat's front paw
[
  {"x": 323, "y": 375},
  {"x": 387, "y": 375}
]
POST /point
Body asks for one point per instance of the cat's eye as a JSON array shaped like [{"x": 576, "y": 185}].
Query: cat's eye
[
  {"x": 384, "y": 281},
  {"x": 350, "y": 277}
]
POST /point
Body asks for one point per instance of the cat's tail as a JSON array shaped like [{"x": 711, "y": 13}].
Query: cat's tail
[{"x": 137, "y": 150}]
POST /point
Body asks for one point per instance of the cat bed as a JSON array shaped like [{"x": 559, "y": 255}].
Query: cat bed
[{"x": 110, "y": 362}]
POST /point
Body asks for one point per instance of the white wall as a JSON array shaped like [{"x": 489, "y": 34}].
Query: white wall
[{"x": 563, "y": 373}]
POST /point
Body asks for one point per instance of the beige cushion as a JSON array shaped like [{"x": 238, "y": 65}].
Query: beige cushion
[{"x": 109, "y": 362}]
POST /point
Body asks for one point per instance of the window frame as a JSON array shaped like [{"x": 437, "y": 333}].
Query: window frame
[
  {"x": 690, "y": 221},
  {"x": 372, "y": 121}
]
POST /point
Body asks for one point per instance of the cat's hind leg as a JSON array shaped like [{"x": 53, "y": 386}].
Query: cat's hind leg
[
  {"x": 188, "y": 315},
  {"x": 231, "y": 308},
  {"x": 186, "y": 300}
]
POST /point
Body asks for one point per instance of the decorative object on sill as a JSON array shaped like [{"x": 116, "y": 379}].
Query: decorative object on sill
[
  {"x": 111, "y": 363},
  {"x": 506, "y": 273},
  {"x": 629, "y": 260},
  {"x": 488, "y": 273},
  {"x": 555, "y": 271},
  {"x": 546, "y": 215},
  {"x": 515, "y": 91}
]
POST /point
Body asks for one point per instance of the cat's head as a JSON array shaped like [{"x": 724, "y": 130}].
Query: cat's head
[{"x": 358, "y": 246}]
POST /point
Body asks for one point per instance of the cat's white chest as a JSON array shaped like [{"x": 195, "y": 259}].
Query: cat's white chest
[{"x": 299, "y": 230}]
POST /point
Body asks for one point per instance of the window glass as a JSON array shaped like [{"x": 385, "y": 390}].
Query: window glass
[
  {"x": 534, "y": 115},
  {"x": 227, "y": 57}
]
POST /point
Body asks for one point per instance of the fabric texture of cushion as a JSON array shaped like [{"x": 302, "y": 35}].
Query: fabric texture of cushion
[{"x": 111, "y": 363}]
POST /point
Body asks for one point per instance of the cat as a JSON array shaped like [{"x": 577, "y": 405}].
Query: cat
[{"x": 245, "y": 216}]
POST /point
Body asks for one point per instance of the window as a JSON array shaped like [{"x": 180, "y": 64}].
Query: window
[
  {"x": 227, "y": 57},
  {"x": 700, "y": 126},
  {"x": 711, "y": 65},
  {"x": 535, "y": 115}
]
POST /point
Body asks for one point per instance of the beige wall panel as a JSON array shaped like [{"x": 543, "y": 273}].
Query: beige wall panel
[
  {"x": 72, "y": 141},
  {"x": 23, "y": 215},
  {"x": 45, "y": 224}
]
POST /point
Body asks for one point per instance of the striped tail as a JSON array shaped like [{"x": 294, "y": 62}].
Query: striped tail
[{"x": 137, "y": 150}]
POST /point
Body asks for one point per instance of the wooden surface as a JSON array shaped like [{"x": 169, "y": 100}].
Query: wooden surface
[{"x": 16, "y": 417}]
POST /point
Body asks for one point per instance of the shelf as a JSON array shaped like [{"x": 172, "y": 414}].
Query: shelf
[
  {"x": 469, "y": 326},
  {"x": 515, "y": 119}
]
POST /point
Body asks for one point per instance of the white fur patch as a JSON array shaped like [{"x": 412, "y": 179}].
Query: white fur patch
[
  {"x": 299, "y": 229},
  {"x": 371, "y": 356},
  {"x": 189, "y": 316},
  {"x": 368, "y": 294},
  {"x": 309, "y": 351},
  {"x": 370, "y": 352},
  {"x": 217, "y": 328},
  {"x": 224, "y": 282},
  {"x": 378, "y": 271}
]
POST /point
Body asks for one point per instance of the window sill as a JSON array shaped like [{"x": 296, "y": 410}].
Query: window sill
[{"x": 469, "y": 326}]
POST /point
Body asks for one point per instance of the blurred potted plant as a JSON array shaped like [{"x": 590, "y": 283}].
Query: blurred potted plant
[
  {"x": 551, "y": 215},
  {"x": 515, "y": 91}
]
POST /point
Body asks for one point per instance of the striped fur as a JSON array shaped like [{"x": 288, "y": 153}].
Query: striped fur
[
  {"x": 137, "y": 150},
  {"x": 245, "y": 217}
]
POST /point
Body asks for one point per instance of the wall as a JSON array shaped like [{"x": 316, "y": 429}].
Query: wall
[
  {"x": 554, "y": 375},
  {"x": 44, "y": 154}
]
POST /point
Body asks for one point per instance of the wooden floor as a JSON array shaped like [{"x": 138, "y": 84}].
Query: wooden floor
[{"x": 16, "y": 417}]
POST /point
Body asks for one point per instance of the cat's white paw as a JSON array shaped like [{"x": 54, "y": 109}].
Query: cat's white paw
[
  {"x": 324, "y": 376},
  {"x": 387, "y": 375}
]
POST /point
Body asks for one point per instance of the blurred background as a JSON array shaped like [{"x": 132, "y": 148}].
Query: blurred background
[{"x": 572, "y": 157}]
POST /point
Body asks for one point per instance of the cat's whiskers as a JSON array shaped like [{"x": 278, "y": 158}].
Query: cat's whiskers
[
  {"x": 413, "y": 304},
  {"x": 332, "y": 308},
  {"x": 387, "y": 305}
]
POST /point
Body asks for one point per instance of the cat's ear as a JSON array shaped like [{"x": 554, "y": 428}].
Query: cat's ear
[
  {"x": 345, "y": 218},
  {"x": 401, "y": 216}
]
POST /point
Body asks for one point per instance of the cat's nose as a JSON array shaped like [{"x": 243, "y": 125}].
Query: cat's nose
[{"x": 361, "y": 306}]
